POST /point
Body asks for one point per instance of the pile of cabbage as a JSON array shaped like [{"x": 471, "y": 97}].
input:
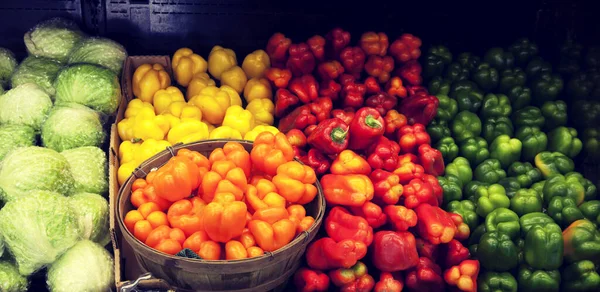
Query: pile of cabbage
[{"x": 54, "y": 106}]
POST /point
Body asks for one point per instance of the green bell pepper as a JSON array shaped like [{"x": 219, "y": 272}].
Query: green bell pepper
[
  {"x": 439, "y": 86},
  {"x": 580, "y": 277},
  {"x": 582, "y": 241},
  {"x": 536, "y": 67},
  {"x": 585, "y": 113},
  {"x": 523, "y": 50},
  {"x": 539, "y": 186},
  {"x": 506, "y": 149},
  {"x": 466, "y": 209},
  {"x": 496, "y": 282},
  {"x": 580, "y": 86},
  {"x": 504, "y": 221},
  {"x": 526, "y": 201},
  {"x": 520, "y": 243},
  {"x": 561, "y": 186},
  {"x": 456, "y": 72},
  {"x": 555, "y": 114},
  {"x": 468, "y": 60},
  {"x": 490, "y": 171},
  {"x": 438, "y": 130},
  {"x": 437, "y": 58},
  {"x": 495, "y": 105},
  {"x": 470, "y": 190},
  {"x": 469, "y": 100},
  {"x": 486, "y": 77},
  {"x": 591, "y": 211},
  {"x": 525, "y": 173},
  {"x": 546, "y": 87},
  {"x": 534, "y": 141},
  {"x": 510, "y": 78},
  {"x": 591, "y": 142},
  {"x": 499, "y": 59},
  {"x": 494, "y": 127},
  {"x": 447, "y": 108},
  {"x": 529, "y": 116},
  {"x": 529, "y": 220},
  {"x": 490, "y": 198},
  {"x": 531, "y": 279},
  {"x": 460, "y": 168},
  {"x": 519, "y": 97},
  {"x": 475, "y": 150},
  {"x": 588, "y": 186},
  {"x": 551, "y": 163},
  {"x": 465, "y": 85},
  {"x": 466, "y": 125},
  {"x": 565, "y": 141},
  {"x": 452, "y": 187},
  {"x": 544, "y": 247},
  {"x": 494, "y": 246},
  {"x": 475, "y": 238},
  {"x": 448, "y": 148},
  {"x": 511, "y": 185},
  {"x": 564, "y": 211}
]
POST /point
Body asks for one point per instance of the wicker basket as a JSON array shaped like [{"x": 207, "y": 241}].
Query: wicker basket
[{"x": 268, "y": 272}]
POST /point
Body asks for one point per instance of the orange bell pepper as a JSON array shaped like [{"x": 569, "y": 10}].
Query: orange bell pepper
[
  {"x": 176, "y": 179},
  {"x": 166, "y": 239},
  {"x": 256, "y": 202},
  {"x": 186, "y": 214},
  {"x": 263, "y": 186},
  {"x": 142, "y": 221},
  {"x": 348, "y": 162},
  {"x": 198, "y": 159},
  {"x": 147, "y": 194},
  {"x": 224, "y": 177},
  {"x": 235, "y": 250},
  {"x": 295, "y": 182},
  {"x": 224, "y": 218},
  {"x": 139, "y": 183},
  {"x": 271, "y": 215},
  {"x": 255, "y": 251},
  {"x": 200, "y": 243},
  {"x": 298, "y": 216},
  {"x": 234, "y": 152},
  {"x": 270, "y": 151},
  {"x": 272, "y": 236},
  {"x": 347, "y": 190},
  {"x": 247, "y": 239}
]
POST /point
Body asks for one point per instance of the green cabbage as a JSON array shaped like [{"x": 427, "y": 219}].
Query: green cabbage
[
  {"x": 26, "y": 104},
  {"x": 85, "y": 267},
  {"x": 70, "y": 126},
  {"x": 93, "y": 213},
  {"x": 89, "y": 168},
  {"x": 8, "y": 62},
  {"x": 39, "y": 70},
  {"x": 15, "y": 136},
  {"x": 34, "y": 168},
  {"x": 10, "y": 279},
  {"x": 53, "y": 38},
  {"x": 38, "y": 229},
  {"x": 90, "y": 85},
  {"x": 99, "y": 51}
]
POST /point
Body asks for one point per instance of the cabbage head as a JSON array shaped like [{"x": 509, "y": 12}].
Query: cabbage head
[
  {"x": 34, "y": 168},
  {"x": 99, "y": 51},
  {"x": 39, "y": 70},
  {"x": 53, "y": 38},
  {"x": 70, "y": 126},
  {"x": 26, "y": 104},
  {"x": 93, "y": 213},
  {"x": 89, "y": 168},
  {"x": 91, "y": 85},
  {"x": 8, "y": 62},
  {"x": 15, "y": 136},
  {"x": 87, "y": 266},
  {"x": 38, "y": 229},
  {"x": 10, "y": 279}
]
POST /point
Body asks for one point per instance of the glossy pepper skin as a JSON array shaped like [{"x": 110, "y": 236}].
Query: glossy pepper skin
[
  {"x": 277, "y": 49},
  {"x": 418, "y": 192},
  {"x": 400, "y": 217},
  {"x": 346, "y": 115},
  {"x": 387, "y": 187},
  {"x": 301, "y": 60},
  {"x": 531, "y": 279},
  {"x": 537, "y": 66},
  {"x": 284, "y": 101},
  {"x": 544, "y": 247},
  {"x": 460, "y": 168},
  {"x": 492, "y": 281},
  {"x": 366, "y": 128},
  {"x": 448, "y": 148},
  {"x": 435, "y": 61},
  {"x": 581, "y": 276},
  {"x": 589, "y": 187},
  {"x": 383, "y": 154},
  {"x": 510, "y": 78},
  {"x": 469, "y": 100},
  {"x": 317, "y": 161},
  {"x": 336, "y": 40},
  {"x": 389, "y": 282},
  {"x": 300, "y": 118},
  {"x": 410, "y": 72},
  {"x": 374, "y": 43},
  {"x": 506, "y": 150},
  {"x": 489, "y": 171},
  {"x": 353, "y": 94},
  {"x": 495, "y": 105},
  {"x": 186, "y": 64},
  {"x": 475, "y": 150},
  {"x": 382, "y": 102},
  {"x": 561, "y": 186},
  {"x": 372, "y": 213},
  {"x": 523, "y": 50},
  {"x": 486, "y": 77},
  {"x": 591, "y": 211},
  {"x": 317, "y": 46},
  {"x": 411, "y": 137},
  {"x": 353, "y": 59},
  {"x": 526, "y": 201},
  {"x": 307, "y": 280},
  {"x": 270, "y": 151},
  {"x": 519, "y": 97},
  {"x": 439, "y": 86},
  {"x": 565, "y": 141},
  {"x": 498, "y": 58},
  {"x": 564, "y": 211},
  {"x": 379, "y": 67},
  {"x": 419, "y": 108},
  {"x": 581, "y": 241},
  {"x": 456, "y": 72},
  {"x": 176, "y": 179},
  {"x": 466, "y": 209},
  {"x": 463, "y": 276},
  {"x": 349, "y": 276},
  {"x": 533, "y": 141},
  {"x": 347, "y": 190},
  {"x": 426, "y": 276},
  {"x": 496, "y": 126},
  {"x": 551, "y": 163},
  {"x": 447, "y": 108},
  {"x": 224, "y": 211},
  {"x": 408, "y": 168},
  {"x": 495, "y": 245},
  {"x": 435, "y": 225},
  {"x": 438, "y": 130},
  {"x": 528, "y": 116},
  {"x": 341, "y": 224},
  {"x": 279, "y": 77},
  {"x": 466, "y": 125},
  {"x": 504, "y": 221},
  {"x": 330, "y": 70},
  {"x": 326, "y": 254},
  {"x": 305, "y": 87},
  {"x": 511, "y": 185},
  {"x": 555, "y": 113},
  {"x": 395, "y": 88},
  {"x": 490, "y": 198},
  {"x": 431, "y": 159},
  {"x": 394, "y": 251},
  {"x": 455, "y": 253},
  {"x": 330, "y": 136},
  {"x": 405, "y": 48},
  {"x": 546, "y": 87},
  {"x": 330, "y": 89}
]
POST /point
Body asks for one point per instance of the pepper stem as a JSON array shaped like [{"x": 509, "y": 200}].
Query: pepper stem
[
  {"x": 372, "y": 122},
  {"x": 338, "y": 135}
]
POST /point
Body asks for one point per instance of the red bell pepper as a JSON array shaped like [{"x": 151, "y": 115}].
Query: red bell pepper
[
  {"x": 346, "y": 115},
  {"x": 330, "y": 70},
  {"x": 435, "y": 224},
  {"x": 296, "y": 138},
  {"x": 410, "y": 72},
  {"x": 416, "y": 90},
  {"x": 393, "y": 121},
  {"x": 317, "y": 47},
  {"x": 277, "y": 49},
  {"x": 431, "y": 159},
  {"x": 386, "y": 186},
  {"x": 380, "y": 67},
  {"x": 330, "y": 89},
  {"x": 326, "y": 254},
  {"x": 382, "y": 102},
  {"x": 400, "y": 217},
  {"x": 362, "y": 284},
  {"x": 394, "y": 251},
  {"x": 411, "y": 137},
  {"x": 300, "y": 118},
  {"x": 321, "y": 108},
  {"x": 383, "y": 154},
  {"x": 420, "y": 108},
  {"x": 299, "y": 152},
  {"x": 394, "y": 87},
  {"x": 408, "y": 170},
  {"x": 417, "y": 193},
  {"x": 408, "y": 157},
  {"x": 374, "y": 43},
  {"x": 428, "y": 249},
  {"x": 279, "y": 77},
  {"x": 462, "y": 229},
  {"x": 372, "y": 213},
  {"x": 463, "y": 277},
  {"x": 353, "y": 94},
  {"x": 307, "y": 280},
  {"x": 345, "y": 276},
  {"x": 336, "y": 40},
  {"x": 317, "y": 161},
  {"x": 366, "y": 128},
  {"x": 330, "y": 136},
  {"x": 426, "y": 276},
  {"x": 346, "y": 79},
  {"x": 406, "y": 48},
  {"x": 284, "y": 101},
  {"x": 349, "y": 162},
  {"x": 340, "y": 225},
  {"x": 389, "y": 282},
  {"x": 372, "y": 85},
  {"x": 301, "y": 60},
  {"x": 353, "y": 59},
  {"x": 306, "y": 88},
  {"x": 438, "y": 191},
  {"x": 309, "y": 130},
  {"x": 455, "y": 252}
]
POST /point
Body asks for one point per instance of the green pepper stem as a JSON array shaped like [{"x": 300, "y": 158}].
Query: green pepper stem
[
  {"x": 338, "y": 135},
  {"x": 372, "y": 122}
]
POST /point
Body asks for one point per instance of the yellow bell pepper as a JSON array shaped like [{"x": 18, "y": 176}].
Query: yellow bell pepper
[
  {"x": 148, "y": 79},
  {"x": 186, "y": 64},
  {"x": 213, "y": 102},
  {"x": 143, "y": 126},
  {"x": 188, "y": 131},
  {"x": 256, "y": 63},
  {"x": 127, "y": 150},
  {"x": 183, "y": 110},
  {"x": 220, "y": 60},
  {"x": 225, "y": 132},
  {"x": 198, "y": 82},
  {"x": 173, "y": 120},
  {"x": 262, "y": 110},
  {"x": 165, "y": 97},
  {"x": 131, "y": 155},
  {"x": 134, "y": 107},
  {"x": 234, "y": 77},
  {"x": 257, "y": 88},
  {"x": 238, "y": 118},
  {"x": 234, "y": 96},
  {"x": 251, "y": 136},
  {"x": 211, "y": 127}
]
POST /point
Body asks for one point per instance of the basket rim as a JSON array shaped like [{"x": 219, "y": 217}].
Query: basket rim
[{"x": 268, "y": 256}]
